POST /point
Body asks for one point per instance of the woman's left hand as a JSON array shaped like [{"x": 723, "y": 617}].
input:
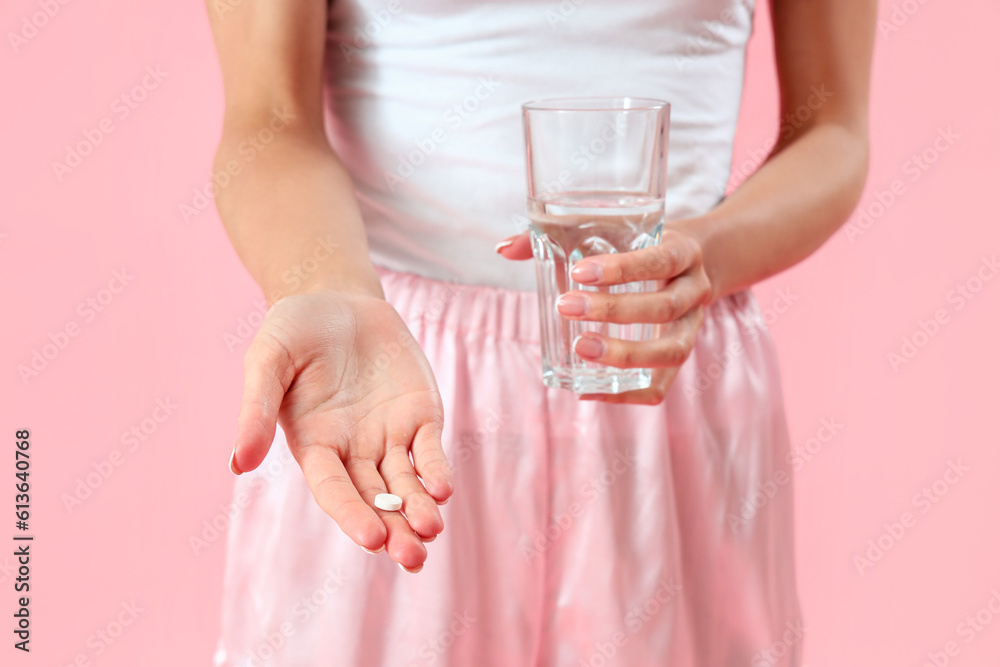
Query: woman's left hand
[{"x": 678, "y": 307}]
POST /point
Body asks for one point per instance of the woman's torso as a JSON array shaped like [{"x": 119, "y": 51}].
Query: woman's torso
[{"x": 423, "y": 100}]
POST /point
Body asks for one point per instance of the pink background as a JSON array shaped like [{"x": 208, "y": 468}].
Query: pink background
[{"x": 163, "y": 337}]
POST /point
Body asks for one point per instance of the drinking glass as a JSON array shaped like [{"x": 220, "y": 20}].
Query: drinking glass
[{"x": 596, "y": 178}]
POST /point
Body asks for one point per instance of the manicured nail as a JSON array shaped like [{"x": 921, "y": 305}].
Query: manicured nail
[
  {"x": 413, "y": 571},
  {"x": 425, "y": 540},
  {"x": 589, "y": 347},
  {"x": 586, "y": 272},
  {"x": 572, "y": 305},
  {"x": 503, "y": 244},
  {"x": 378, "y": 551},
  {"x": 232, "y": 463}
]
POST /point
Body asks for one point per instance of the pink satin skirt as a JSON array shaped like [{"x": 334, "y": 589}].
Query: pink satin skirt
[{"x": 580, "y": 534}]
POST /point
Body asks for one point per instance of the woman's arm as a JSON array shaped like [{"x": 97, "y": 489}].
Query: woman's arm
[
  {"x": 291, "y": 199},
  {"x": 813, "y": 178},
  {"x": 316, "y": 365},
  {"x": 809, "y": 184},
  {"x": 787, "y": 209}
]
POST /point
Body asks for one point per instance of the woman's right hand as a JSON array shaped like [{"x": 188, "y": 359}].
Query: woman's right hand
[{"x": 355, "y": 395}]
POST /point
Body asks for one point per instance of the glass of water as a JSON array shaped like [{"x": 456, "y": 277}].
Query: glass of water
[{"x": 597, "y": 171}]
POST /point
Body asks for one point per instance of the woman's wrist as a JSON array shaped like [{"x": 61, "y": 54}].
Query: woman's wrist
[
  {"x": 707, "y": 230},
  {"x": 357, "y": 280}
]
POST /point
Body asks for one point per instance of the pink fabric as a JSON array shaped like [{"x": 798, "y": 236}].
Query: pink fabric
[{"x": 580, "y": 533}]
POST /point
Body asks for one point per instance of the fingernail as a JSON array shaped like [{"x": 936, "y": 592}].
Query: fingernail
[
  {"x": 573, "y": 305},
  {"x": 503, "y": 244},
  {"x": 232, "y": 463},
  {"x": 592, "y": 348},
  {"x": 413, "y": 571},
  {"x": 446, "y": 478},
  {"x": 425, "y": 540},
  {"x": 586, "y": 272},
  {"x": 378, "y": 551}
]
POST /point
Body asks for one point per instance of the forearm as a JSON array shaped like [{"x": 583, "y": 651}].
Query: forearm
[
  {"x": 292, "y": 215},
  {"x": 784, "y": 211}
]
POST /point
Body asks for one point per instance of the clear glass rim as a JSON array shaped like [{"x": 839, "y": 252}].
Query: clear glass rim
[{"x": 596, "y": 104}]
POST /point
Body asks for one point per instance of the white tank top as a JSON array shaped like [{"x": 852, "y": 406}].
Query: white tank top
[{"x": 423, "y": 100}]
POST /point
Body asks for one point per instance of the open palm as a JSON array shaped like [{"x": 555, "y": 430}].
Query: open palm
[{"x": 355, "y": 395}]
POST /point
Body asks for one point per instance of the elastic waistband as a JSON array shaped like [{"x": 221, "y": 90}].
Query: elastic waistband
[
  {"x": 497, "y": 312},
  {"x": 494, "y": 312}
]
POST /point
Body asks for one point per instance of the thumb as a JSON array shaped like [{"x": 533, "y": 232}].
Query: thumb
[
  {"x": 515, "y": 247},
  {"x": 268, "y": 371}
]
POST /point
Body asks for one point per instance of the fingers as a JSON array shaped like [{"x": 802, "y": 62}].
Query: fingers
[
  {"x": 420, "y": 509},
  {"x": 346, "y": 490},
  {"x": 402, "y": 544},
  {"x": 669, "y": 350},
  {"x": 268, "y": 371},
  {"x": 431, "y": 464},
  {"x": 516, "y": 247},
  {"x": 336, "y": 494},
  {"x": 675, "y": 254},
  {"x": 661, "y": 306},
  {"x": 654, "y": 394}
]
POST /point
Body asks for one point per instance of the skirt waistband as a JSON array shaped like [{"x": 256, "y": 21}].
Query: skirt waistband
[
  {"x": 498, "y": 312},
  {"x": 494, "y": 312}
]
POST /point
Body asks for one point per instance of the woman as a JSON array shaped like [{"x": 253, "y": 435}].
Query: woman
[{"x": 609, "y": 531}]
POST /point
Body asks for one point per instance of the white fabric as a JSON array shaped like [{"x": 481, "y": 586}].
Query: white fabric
[{"x": 429, "y": 92}]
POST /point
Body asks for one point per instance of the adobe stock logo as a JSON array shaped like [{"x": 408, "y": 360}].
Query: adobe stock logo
[
  {"x": 59, "y": 340},
  {"x": 247, "y": 150},
  {"x": 365, "y": 35},
  {"x": 590, "y": 490},
  {"x": 914, "y": 168},
  {"x": 426, "y": 146},
  {"x": 924, "y": 501},
  {"x": 781, "y": 647},
  {"x": 270, "y": 646},
  {"x": 121, "y": 108},
  {"x": 958, "y": 297},
  {"x": 246, "y": 327},
  {"x": 753, "y": 324},
  {"x": 439, "y": 645},
  {"x": 640, "y": 615},
  {"x": 137, "y": 436},
  {"x": 108, "y": 634},
  {"x": 765, "y": 489},
  {"x": 709, "y": 38},
  {"x": 900, "y": 16},
  {"x": 31, "y": 25},
  {"x": 971, "y": 627},
  {"x": 566, "y": 9}
]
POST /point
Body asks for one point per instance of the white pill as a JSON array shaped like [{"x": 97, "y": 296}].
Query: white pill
[{"x": 388, "y": 502}]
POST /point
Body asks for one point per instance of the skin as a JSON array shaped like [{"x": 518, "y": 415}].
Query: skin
[
  {"x": 316, "y": 366},
  {"x": 798, "y": 198}
]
